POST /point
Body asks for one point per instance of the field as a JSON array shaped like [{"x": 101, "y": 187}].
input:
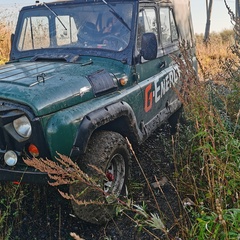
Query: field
[{"x": 200, "y": 198}]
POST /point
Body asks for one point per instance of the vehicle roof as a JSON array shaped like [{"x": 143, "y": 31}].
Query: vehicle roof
[{"x": 156, "y": 1}]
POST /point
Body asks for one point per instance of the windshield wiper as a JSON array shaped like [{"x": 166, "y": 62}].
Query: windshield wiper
[
  {"x": 44, "y": 4},
  {"x": 117, "y": 15}
]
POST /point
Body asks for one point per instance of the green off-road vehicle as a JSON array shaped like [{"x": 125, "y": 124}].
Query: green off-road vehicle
[{"x": 84, "y": 76}]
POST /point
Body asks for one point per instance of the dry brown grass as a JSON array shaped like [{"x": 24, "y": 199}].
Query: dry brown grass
[
  {"x": 213, "y": 54},
  {"x": 5, "y": 43}
]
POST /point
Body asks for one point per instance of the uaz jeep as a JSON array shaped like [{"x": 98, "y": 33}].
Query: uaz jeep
[{"x": 83, "y": 76}]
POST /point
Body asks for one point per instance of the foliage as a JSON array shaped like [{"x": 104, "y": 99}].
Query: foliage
[
  {"x": 143, "y": 218},
  {"x": 224, "y": 225},
  {"x": 208, "y": 171},
  {"x": 12, "y": 196}
]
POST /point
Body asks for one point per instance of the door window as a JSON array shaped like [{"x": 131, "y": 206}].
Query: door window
[
  {"x": 168, "y": 26},
  {"x": 146, "y": 23}
]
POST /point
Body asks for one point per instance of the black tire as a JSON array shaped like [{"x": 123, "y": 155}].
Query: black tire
[{"x": 109, "y": 152}]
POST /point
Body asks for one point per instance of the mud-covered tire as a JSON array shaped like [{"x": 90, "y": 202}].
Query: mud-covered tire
[{"x": 109, "y": 152}]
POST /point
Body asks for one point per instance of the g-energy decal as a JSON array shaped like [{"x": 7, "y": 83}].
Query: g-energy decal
[{"x": 159, "y": 87}]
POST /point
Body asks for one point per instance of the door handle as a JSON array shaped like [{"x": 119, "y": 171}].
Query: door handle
[{"x": 162, "y": 64}]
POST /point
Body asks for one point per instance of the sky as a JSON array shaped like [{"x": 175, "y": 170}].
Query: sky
[{"x": 220, "y": 19}]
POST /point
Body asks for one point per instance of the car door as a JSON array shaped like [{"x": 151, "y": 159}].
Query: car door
[{"x": 157, "y": 76}]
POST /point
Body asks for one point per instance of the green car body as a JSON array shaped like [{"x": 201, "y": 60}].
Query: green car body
[{"x": 69, "y": 91}]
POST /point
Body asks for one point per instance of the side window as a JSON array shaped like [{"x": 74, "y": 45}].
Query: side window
[
  {"x": 174, "y": 31},
  {"x": 146, "y": 23},
  {"x": 168, "y": 26}
]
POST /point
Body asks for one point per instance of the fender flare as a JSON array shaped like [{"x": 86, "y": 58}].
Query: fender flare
[{"x": 100, "y": 117}]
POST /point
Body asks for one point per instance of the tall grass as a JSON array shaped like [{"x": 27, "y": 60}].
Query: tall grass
[
  {"x": 207, "y": 150},
  {"x": 207, "y": 161},
  {"x": 10, "y": 208}
]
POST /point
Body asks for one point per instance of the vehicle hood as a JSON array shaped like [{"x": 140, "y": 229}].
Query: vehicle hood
[{"x": 47, "y": 87}]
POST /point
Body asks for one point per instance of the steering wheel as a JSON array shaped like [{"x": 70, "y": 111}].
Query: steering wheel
[{"x": 114, "y": 42}]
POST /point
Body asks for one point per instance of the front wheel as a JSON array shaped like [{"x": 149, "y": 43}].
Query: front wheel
[{"x": 108, "y": 151}]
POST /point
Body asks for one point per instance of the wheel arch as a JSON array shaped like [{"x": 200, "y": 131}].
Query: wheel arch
[{"x": 118, "y": 117}]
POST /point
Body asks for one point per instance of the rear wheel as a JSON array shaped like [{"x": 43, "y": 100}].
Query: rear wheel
[{"x": 108, "y": 151}]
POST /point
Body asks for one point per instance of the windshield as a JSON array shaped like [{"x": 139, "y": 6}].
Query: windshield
[{"x": 76, "y": 26}]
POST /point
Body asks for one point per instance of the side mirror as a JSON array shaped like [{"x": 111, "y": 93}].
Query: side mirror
[{"x": 149, "y": 46}]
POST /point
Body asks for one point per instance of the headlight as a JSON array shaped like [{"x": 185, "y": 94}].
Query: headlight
[
  {"x": 10, "y": 158},
  {"x": 23, "y": 127}
]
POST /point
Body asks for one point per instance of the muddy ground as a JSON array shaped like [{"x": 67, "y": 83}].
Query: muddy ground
[{"x": 44, "y": 214}]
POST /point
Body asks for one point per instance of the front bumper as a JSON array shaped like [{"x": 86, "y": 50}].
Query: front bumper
[{"x": 23, "y": 176}]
